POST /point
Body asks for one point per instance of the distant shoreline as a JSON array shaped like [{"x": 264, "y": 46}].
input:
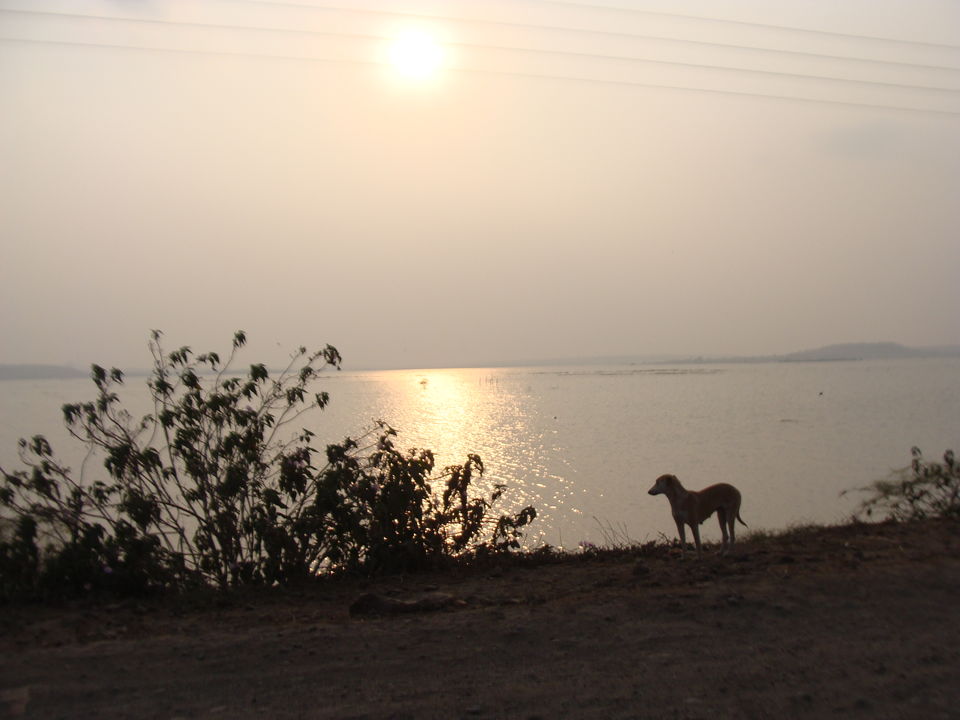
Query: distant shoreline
[
  {"x": 41, "y": 372},
  {"x": 849, "y": 352}
]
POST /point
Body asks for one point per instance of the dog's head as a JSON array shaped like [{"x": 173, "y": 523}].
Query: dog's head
[{"x": 663, "y": 482}]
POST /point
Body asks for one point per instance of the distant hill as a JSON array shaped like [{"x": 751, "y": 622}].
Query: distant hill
[
  {"x": 869, "y": 351},
  {"x": 40, "y": 372},
  {"x": 827, "y": 353}
]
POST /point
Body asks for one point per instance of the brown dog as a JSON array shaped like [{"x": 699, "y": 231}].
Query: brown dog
[{"x": 692, "y": 508}]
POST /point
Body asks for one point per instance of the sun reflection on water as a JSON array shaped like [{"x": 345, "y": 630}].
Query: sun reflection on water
[
  {"x": 491, "y": 413},
  {"x": 582, "y": 445}
]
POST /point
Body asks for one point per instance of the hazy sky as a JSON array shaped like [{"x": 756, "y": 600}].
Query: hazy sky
[{"x": 572, "y": 180}]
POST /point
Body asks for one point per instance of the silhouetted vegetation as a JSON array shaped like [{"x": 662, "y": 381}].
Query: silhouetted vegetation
[
  {"x": 923, "y": 490},
  {"x": 212, "y": 489}
]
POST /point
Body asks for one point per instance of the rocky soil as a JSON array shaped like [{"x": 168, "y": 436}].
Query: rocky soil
[{"x": 860, "y": 621}]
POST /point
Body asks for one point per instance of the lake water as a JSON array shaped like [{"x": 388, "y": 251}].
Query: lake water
[{"x": 584, "y": 444}]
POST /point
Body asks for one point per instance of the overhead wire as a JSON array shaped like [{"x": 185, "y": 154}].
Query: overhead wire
[
  {"x": 590, "y": 31},
  {"x": 481, "y": 71},
  {"x": 503, "y": 73},
  {"x": 562, "y": 28},
  {"x": 487, "y": 46},
  {"x": 744, "y": 23}
]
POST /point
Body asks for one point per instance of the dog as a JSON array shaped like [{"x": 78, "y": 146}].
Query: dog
[{"x": 692, "y": 508}]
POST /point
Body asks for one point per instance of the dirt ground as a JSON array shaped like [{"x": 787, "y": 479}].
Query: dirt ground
[{"x": 858, "y": 621}]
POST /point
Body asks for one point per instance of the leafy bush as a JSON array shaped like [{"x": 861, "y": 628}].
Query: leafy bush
[
  {"x": 922, "y": 490},
  {"x": 387, "y": 517},
  {"x": 208, "y": 490}
]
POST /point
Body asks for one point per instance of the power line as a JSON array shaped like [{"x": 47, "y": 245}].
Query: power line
[
  {"x": 496, "y": 73},
  {"x": 831, "y": 33},
  {"x": 567, "y": 53},
  {"x": 607, "y": 33}
]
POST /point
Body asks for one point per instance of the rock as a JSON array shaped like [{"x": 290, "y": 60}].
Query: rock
[
  {"x": 14, "y": 701},
  {"x": 373, "y": 604}
]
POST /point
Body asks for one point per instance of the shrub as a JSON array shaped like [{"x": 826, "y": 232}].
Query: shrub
[
  {"x": 208, "y": 489},
  {"x": 922, "y": 490},
  {"x": 386, "y": 516}
]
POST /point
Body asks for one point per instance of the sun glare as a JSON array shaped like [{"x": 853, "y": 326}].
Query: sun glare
[{"x": 416, "y": 55}]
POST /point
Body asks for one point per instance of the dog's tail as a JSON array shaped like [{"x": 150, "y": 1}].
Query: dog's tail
[{"x": 741, "y": 519}]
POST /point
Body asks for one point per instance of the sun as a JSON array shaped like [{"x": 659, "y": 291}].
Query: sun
[{"x": 416, "y": 55}]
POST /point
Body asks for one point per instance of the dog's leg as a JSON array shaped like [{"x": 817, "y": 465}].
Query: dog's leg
[
  {"x": 722, "y": 516},
  {"x": 696, "y": 538},
  {"x": 733, "y": 524},
  {"x": 681, "y": 531}
]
